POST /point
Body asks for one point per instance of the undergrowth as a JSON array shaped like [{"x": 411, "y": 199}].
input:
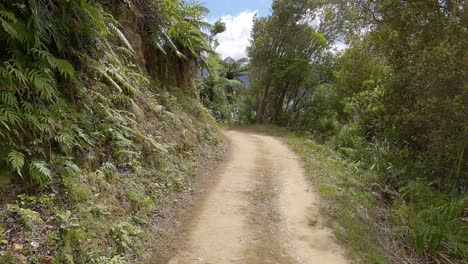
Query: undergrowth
[
  {"x": 375, "y": 223},
  {"x": 378, "y": 230},
  {"x": 97, "y": 131}
]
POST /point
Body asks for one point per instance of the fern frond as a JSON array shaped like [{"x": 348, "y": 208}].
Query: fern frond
[
  {"x": 72, "y": 169},
  {"x": 163, "y": 39},
  {"x": 107, "y": 167},
  {"x": 95, "y": 16},
  {"x": 27, "y": 107},
  {"x": 64, "y": 67},
  {"x": 138, "y": 77},
  {"x": 43, "y": 83},
  {"x": 16, "y": 73},
  {"x": 40, "y": 172},
  {"x": 16, "y": 161},
  {"x": 10, "y": 115},
  {"x": 156, "y": 41},
  {"x": 115, "y": 73},
  {"x": 23, "y": 34},
  {"x": 7, "y": 15},
  {"x": 4, "y": 122},
  {"x": 114, "y": 29},
  {"x": 8, "y": 28},
  {"x": 5, "y": 77},
  {"x": 32, "y": 121},
  {"x": 8, "y": 99},
  {"x": 122, "y": 99},
  {"x": 65, "y": 142},
  {"x": 110, "y": 80}
]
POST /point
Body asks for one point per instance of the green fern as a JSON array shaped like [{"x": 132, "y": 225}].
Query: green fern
[
  {"x": 72, "y": 169},
  {"x": 8, "y": 99},
  {"x": 120, "y": 36},
  {"x": 62, "y": 66},
  {"x": 65, "y": 142},
  {"x": 6, "y": 18},
  {"x": 7, "y": 15},
  {"x": 16, "y": 73},
  {"x": 40, "y": 172},
  {"x": 11, "y": 116},
  {"x": 16, "y": 161},
  {"x": 44, "y": 84}
]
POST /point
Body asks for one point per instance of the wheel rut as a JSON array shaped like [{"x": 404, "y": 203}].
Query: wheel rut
[{"x": 260, "y": 210}]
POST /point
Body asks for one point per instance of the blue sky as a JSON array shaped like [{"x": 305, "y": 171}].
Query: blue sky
[
  {"x": 238, "y": 16},
  {"x": 221, "y": 8}
]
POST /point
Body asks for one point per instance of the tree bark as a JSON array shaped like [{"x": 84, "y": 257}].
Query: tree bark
[
  {"x": 263, "y": 102},
  {"x": 279, "y": 103},
  {"x": 293, "y": 110}
]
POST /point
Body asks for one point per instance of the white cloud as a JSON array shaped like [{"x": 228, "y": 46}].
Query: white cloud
[{"x": 234, "y": 41}]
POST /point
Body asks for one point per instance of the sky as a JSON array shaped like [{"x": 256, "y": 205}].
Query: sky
[{"x": 238, "y": 16}]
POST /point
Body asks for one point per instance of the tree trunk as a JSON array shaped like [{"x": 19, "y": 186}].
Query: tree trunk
[
  {"x": 293, "y": 109},
  {"x": 263, "y": 102},
  {"x": 279, "y": 104}
]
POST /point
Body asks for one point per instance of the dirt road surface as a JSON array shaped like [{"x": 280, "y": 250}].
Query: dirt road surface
[{"x": 260, "y": 210}]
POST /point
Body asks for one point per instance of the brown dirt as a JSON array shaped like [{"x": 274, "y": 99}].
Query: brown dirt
[{"x": 259, "y": 209}]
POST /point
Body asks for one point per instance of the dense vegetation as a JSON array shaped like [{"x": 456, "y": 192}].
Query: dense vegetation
[
  {"x": 393, "y": 103},
  {"x": 99, "y": 123}
]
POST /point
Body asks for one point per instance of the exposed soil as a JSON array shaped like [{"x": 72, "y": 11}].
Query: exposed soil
[{"x": 258, "y": 208}]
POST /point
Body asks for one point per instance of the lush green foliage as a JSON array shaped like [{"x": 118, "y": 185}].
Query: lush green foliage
[
  {"x": 89, "y": 111},
  {"x": 391, "y": 103},
  {"x": 220, "y": 93}
]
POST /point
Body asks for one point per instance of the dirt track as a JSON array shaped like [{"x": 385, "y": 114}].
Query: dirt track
[{"x": 261, "y": 210}]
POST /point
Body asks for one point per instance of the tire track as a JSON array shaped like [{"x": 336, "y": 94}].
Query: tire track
[{"x": 261, "y": 210}]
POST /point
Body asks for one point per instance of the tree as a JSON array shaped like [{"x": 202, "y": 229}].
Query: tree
[
  {"x": 282, "y": 49},
  {"x": 394, "y": 103}
]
